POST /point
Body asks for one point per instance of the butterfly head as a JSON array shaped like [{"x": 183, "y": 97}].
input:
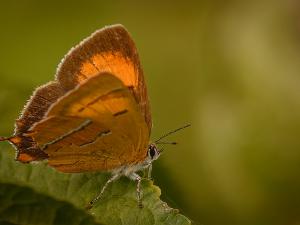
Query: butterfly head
[{"x": 153, "y": 152}]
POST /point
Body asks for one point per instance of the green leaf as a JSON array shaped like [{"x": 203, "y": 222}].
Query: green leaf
[{"x": 37, "y": 194}]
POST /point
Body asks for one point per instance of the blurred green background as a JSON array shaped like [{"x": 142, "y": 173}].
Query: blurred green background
[{"x": 231, "y": 69}]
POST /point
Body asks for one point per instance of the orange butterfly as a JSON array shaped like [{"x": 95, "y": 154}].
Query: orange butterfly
[{"x": 95, "y": 115}]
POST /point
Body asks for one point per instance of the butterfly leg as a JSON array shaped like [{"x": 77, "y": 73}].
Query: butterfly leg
[
  {"x": 91, "y": 203},
  {"x": 138, "y": 179},
  {"x": 150, "y": 171}
]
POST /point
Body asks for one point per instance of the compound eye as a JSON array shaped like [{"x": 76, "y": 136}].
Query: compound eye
[{"x": 152, "y": 152}]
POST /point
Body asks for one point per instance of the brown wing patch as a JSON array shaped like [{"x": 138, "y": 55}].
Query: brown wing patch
[
  {"x": 35, "y": 110},
  {"x": 108, "y": 133}
]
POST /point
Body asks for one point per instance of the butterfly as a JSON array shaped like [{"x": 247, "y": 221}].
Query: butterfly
[{"x": 95, "y": 115}]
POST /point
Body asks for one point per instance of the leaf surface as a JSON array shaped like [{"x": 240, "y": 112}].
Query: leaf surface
[{"x": 37, "y": 194}]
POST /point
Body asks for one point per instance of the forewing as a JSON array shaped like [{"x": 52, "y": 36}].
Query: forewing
[
  {"x": 112, "y": 50},
  {"x": 97, "y": 126}
]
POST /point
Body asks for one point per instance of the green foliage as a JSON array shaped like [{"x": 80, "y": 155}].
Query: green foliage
[{"x": 37, "y": 194}]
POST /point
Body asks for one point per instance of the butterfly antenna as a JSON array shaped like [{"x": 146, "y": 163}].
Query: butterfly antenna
[
  {"x": 171, "y": 132},
  {"x": 166, "y": 143}
]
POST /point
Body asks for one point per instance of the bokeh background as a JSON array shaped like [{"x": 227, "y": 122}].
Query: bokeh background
[{"x": 230, "y": 68}]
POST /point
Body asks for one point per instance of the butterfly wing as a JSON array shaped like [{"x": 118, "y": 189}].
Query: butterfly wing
[
  {"x": 96, "y": 126},
  {"x": 110, "y": 49}
]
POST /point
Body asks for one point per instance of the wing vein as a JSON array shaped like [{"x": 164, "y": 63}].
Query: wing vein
[{"x": 80, "y": 127}]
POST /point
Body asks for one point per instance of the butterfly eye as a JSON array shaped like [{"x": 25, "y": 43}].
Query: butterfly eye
[{"x": 152, "y": 151}]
